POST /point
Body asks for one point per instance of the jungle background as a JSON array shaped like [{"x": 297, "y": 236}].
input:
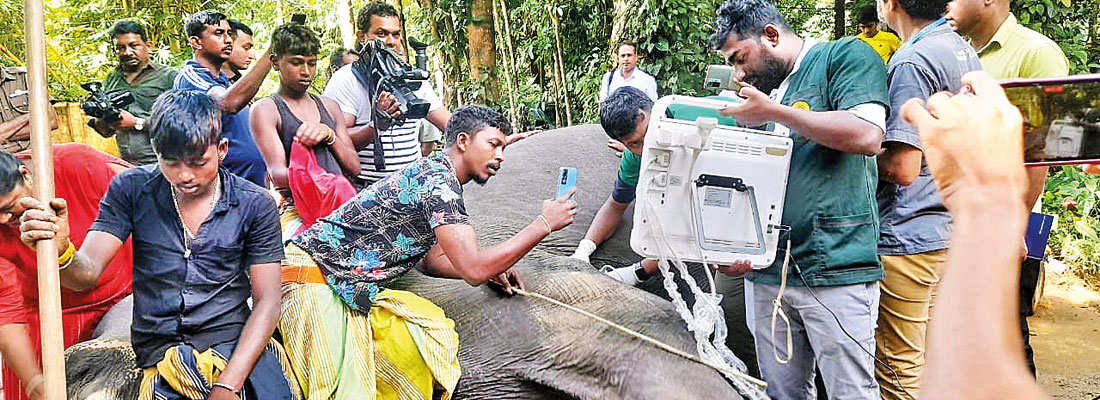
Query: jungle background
[{"x": 541, "y": 61}]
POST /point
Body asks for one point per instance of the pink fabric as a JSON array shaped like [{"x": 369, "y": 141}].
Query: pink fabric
[{"x": 316, "y": 192}]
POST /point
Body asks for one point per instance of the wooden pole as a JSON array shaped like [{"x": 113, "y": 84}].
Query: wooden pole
[{"x": 49, "y": 284}]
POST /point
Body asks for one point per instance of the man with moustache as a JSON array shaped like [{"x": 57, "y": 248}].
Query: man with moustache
[
  {"x": 832, "y": 98},
  {"x": 145, "y": 80},
  {"x": 209, "y": 36}
]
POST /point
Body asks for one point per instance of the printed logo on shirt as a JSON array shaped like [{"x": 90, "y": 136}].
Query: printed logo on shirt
[{"x": 801, "y": 105}]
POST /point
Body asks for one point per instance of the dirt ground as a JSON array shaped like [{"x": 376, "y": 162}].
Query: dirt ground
[{"x": 1065, "y": 333}]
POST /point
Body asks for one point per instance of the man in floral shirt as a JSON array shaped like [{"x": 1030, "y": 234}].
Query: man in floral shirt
[{"x": 415, "y": 217}]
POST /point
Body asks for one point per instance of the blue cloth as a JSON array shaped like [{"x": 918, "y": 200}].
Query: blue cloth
[
  {"x": 623, "y": 192},
  {"x": 914, "y": 219},
  {"x": 243, "y": 159},
  {"x": 384, "y": 231},
  {"x": 200, "y": 300}
]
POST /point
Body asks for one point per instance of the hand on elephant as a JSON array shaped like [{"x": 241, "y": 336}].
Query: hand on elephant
[
  {"x": 736, "y": 270},
  {"x": 520, "y": 136},
  {"x": 559, "y": 213},
  {"x": 506, "y": 281},
  {"x": 617, "y": 146}
]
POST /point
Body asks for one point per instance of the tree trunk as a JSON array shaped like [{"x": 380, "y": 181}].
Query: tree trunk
[
  {"x": 838, "y": 19},
  {"x": 509, "y": 62},
  {"x": 481, "y": 41},
  {"x": 447, "y": 92},
  {"x": 345, "y": 24},
  {"x": 1093, "y": 49},
  {"x": 562, "y": 90}
]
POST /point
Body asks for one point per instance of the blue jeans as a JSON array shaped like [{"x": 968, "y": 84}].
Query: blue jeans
[{"x": 847, "y": 370}]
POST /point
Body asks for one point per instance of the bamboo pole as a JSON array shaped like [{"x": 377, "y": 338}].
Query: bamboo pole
[
  {"x": 49, "y": 284},
  {"x": 506, "y": 50}
]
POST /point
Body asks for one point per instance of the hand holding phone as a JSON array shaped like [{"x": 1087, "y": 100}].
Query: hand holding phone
[
  {"x": 567, "y": 179},
  {"x": 1061, "y": 118}
]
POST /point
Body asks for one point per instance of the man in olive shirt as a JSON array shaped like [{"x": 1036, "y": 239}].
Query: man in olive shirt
[
  {"x": 145, "y": 81},
  {"x": 1010, "y": 50}
]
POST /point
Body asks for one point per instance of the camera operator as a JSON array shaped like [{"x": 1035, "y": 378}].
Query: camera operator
[
  {"x": 399, "y": 144},
  {"x": 145, "y": 81}
]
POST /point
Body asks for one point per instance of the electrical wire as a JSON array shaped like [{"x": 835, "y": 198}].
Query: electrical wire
[{"x": 897, "y": 380}]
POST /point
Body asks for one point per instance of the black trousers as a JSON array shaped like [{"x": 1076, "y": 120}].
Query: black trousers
[{"x": 1029, "y": 278}]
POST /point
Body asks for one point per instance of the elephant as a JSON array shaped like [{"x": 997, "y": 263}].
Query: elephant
[{"x": 517, "y": 347}]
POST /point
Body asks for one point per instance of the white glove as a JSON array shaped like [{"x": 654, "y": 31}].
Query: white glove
[
  {"x": 584, "y": 250},
  {"x": 626, "y": 275}
]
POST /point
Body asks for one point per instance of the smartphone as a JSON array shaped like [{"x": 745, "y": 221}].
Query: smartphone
[
  {"x": 299, "y": 19},
  {"x": 720, "y": 77},
  {"x": 567, "y": 179},
  {"x": 1061, "y": 118}
]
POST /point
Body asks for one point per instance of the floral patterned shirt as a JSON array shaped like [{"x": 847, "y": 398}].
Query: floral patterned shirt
[{"x": 384, "y": 230}]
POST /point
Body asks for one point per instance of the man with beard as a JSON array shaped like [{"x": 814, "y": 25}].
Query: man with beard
[
  {"x": 209, "y": 36},
  {"x": 415, "y": 217},
  {"x": 242, "y": 55},
  {"x": 832, "y": 98},
  {"x": 145, "y": 80}
]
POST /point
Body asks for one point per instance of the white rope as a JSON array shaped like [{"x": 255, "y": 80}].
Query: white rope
[{"x": 643, "y": 337}]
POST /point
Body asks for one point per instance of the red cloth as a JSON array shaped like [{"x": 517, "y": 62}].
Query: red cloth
[
  {"x": 316, "y": 192},
  {"x": 81, "y": 177}
]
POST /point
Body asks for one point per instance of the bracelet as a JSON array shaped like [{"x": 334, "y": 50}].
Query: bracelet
[
  {"x": 34, "y": 384},
  {"x": 544, "y": 221},
  {"x": 331, "y": 138},
  {"x": 228, "y": 387},
  {"x": 66, "y": 258}
]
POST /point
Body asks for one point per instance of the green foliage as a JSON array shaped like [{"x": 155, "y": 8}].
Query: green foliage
[
  {"x": 1065, "y": 23},
  {"x": 1073, "y": 196}
]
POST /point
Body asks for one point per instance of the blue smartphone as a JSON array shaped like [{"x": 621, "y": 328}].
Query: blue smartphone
[{"x": 567, "y": 179}]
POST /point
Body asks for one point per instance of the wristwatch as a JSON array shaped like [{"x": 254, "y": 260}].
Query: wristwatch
[{"x": 139, "y": 125}]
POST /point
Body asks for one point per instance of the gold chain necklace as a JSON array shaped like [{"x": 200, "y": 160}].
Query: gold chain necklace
[{"x": 187, "y": 236}]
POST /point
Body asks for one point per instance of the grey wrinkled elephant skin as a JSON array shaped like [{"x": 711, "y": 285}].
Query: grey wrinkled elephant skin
[{"x": 525, "y": 348}]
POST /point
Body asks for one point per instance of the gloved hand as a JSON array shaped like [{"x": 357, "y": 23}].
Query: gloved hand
[
  {"x": 584, "y": 250},
  {"x": 626, "y": 275}
]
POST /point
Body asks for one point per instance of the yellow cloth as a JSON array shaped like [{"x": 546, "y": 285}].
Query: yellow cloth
[
  {"x": 906, "y": 302},
  {"x": 192, "y": 373},
  {"x": 403, "y": 348},
  {"x": 178, "y": 374},
  {"x": 1018, "y": 52},
  {"x": 884, "y": 43}
]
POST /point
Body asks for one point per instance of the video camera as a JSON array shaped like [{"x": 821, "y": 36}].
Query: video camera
[
  {"x": 104, "y": 105},
  {"x": 380, "y": 69}
]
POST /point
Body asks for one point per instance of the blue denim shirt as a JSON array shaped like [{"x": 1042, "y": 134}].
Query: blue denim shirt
[
  {"x": 914, "y": 219},
  {"x": 200, "y": 300}
]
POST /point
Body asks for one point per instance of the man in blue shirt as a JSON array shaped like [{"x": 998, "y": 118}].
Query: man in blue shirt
[
  {"x": 916, "y": 226},
  {"x": 209, "y": 36},
  {"x": 205, "y": 241}
]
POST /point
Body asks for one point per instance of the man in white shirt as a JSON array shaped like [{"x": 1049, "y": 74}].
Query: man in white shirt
[
  {"x": 628, "y": 74},
  {"x": 400, "y": 144}
]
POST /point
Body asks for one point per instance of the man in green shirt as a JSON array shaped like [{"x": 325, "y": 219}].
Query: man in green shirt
[
  {"x": 143, "y": 79},
  {"x": 832, "y": 98},
  {"x": 1010, "y": 50}
]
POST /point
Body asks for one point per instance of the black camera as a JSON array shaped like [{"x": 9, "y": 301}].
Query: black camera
[
  {"x": 380, "y": 69},
  {"x": 104, "y": 105}
]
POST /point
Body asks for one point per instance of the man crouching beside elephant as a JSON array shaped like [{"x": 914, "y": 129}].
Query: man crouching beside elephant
[{"x": 355, "y": 336}]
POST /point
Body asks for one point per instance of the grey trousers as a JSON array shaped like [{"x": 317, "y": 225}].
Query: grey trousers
[{"x": 847, "y": 370}]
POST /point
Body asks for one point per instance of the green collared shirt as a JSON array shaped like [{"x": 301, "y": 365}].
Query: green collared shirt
[
  {"x": 134, "y": 145},
  {"x": 1018, "y": 52}
]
